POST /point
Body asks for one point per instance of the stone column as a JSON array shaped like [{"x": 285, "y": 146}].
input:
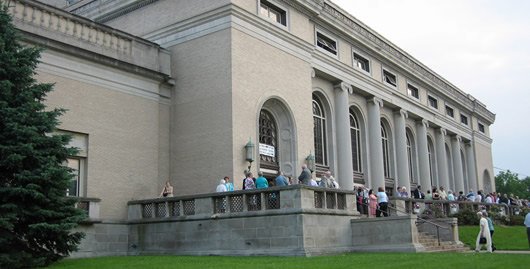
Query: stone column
[
  {"x": 374, "y": 144},
  {"x": 471, "y": 170},
  {"x": 457, "y": 164},
  {"x": 423, "y": 155},
  {"x": 441, "y": 158},
  {"x": 344, "y": 173},
  {"x": 403, "y": 178}
]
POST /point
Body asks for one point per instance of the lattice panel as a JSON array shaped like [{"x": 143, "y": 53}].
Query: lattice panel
[
  {"x": 236, "y": 203},
  {"x": 319, "y": 199},
  {"x": 147, "y": 211},
  {"x": 219, "y": 204},
  {"x": 330, "y": 200},
  {"x": 174, "y": 209},
  {"x": 253, "y": 202},
  {"x": 83, "y": 206},
  {"x": 341, "y": 201},
  {"x": 160, "y": 210},
  {"x": 273, "y": 200},
  {"x": 189, "y": 207}
]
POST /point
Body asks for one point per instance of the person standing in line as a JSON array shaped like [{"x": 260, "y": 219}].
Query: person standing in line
[
  {"x": 229, "y": 186},
  {"x": 442, "y": 193},
  {"x": 417, "y": 193},
  {"x": 373, "y": 202},
  {"x": 167, "y": 191},
  {"x": 527, "y": 224},
  {"x": 326, "y": 180},
  {"x": 221, "y": 187},
  {"x": 261, "y": 182},
  {"x": 305, "y": 176},
  {"x": 398, "y": 191},
  {"x": 484, "y": 233},
  {"x": 281, "y": 180},
  {"x": 382, "y": 201},
  {"x": 450, "y": 195},
  {"x": 404, "y": 192},
  {"x": 492, "y": 229},
  {"x": 290, "y": 181},
  {"x": 333, "y": 183},
  {"x": 249, "y": 182}
]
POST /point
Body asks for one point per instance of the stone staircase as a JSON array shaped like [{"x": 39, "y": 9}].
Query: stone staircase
[{"x": 431, "y": 244}]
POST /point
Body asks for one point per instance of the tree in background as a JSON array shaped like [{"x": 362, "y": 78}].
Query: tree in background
[
  {"x": 508, "y": 182},
  {"x": 36, "y": 219}
]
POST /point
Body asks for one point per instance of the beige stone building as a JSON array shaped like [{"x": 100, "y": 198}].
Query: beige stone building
[{"x": 173, "y": 90}]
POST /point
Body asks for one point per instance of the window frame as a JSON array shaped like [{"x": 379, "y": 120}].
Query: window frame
[
  {"x": 451, "y": 108},
  {"x": 326, "y": 36},
  {"x": 273, "y": 5},
  {"x": 360, "y": 55},
  {"x": 357, "y": 155},
  {"x": 466, "y": 117},
  {"x": 413, "y": 85},
  {"x": 386, "y": 70},
  {"x": 483, "y": 127},
  {"x": 429, "y": 97},
  {"x": 323, "y": 133}
]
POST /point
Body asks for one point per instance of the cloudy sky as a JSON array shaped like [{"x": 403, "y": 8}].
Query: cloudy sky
[{"x": 480, "y": 46}]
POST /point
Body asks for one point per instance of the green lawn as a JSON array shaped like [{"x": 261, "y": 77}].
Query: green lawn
[
  {"x": 504, "y": 238},
  {"x": 371, "y": 260}
]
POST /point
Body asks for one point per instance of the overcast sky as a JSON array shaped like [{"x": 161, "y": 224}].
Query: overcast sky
[{"x": 480, "y": 46}]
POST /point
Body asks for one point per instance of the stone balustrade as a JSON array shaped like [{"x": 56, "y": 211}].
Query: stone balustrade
[
  {"x": 288, "y": 198},
  {"x": 65, "y": 23},
  {"x": 407, "y": 206},
  {"x": 55, "y": 28}
]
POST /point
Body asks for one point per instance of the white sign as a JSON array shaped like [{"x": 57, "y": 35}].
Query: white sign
[{"x": 267, "y": 150}]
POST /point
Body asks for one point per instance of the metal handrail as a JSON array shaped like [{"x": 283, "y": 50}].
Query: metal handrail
[{"x": 438, "y": 226}]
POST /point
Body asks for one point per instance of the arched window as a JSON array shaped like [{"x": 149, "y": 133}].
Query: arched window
[
  {"x": 355, "y": 134},
  {"x": 268, "y": 137},
  {"x": 431, "y": 161},
  {"x": 409, "y": 158},
  {"x": 386, "y": 153},
  {"x": 319, "y": 129},
  {"x": 464, "y": 171},
  {"x": 449, "y": 169}
]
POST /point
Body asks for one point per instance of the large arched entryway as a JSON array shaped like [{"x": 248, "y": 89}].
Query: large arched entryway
[{"x": 276, "y": 133}]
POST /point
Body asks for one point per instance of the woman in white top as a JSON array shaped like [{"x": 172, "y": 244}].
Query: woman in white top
[
  {"x": 167, "y": 191},
  {"x": 221, "y": 187},
  {"x": 484, "y": 232}
]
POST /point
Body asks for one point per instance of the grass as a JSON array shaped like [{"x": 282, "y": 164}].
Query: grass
[
  {"x": 369, "y": 260},
  {"x": 504, "y": 238}
]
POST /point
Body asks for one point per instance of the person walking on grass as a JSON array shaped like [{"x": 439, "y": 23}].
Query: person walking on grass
[{"x": 483, "y": 236}]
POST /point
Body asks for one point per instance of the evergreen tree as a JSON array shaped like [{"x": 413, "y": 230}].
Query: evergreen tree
[{"x": 36, "y": 219}]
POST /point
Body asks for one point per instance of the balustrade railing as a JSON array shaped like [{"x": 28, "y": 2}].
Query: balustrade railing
[
  {"x": 416, "y": 206},
  {"x": 217, "y": 204},
  {"x": 65, "y": 23}
]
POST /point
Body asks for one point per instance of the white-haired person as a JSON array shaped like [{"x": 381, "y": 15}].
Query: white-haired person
[{"x": 484, "y": 236}]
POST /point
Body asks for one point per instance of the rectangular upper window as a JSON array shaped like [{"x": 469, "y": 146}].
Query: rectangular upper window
[
  {"x": 361, "y": 62},
  {"x": 463, "y": 119},
  {"x": 449, "y": 111},
  {"x": 389, "y": 78},
  {"x": 433, "y": 102},
  {"x": 273, "y": 12},
  {"x": 326, "y": 43},
  {"x": 413, "y": 91},
  {"x": 481, "y": 128}
]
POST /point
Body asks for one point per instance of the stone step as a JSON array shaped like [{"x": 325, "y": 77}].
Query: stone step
[{"x": 430, "y": 243}]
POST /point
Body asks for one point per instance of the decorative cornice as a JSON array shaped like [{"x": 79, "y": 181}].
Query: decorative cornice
[
  {"x": 313, "y": 72},
  {"x": 405, "y": 59},
  {"x": 442, "y": 131},
  {"x": 116, "y": 12},
  {"x": 458, "y": 138}
]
